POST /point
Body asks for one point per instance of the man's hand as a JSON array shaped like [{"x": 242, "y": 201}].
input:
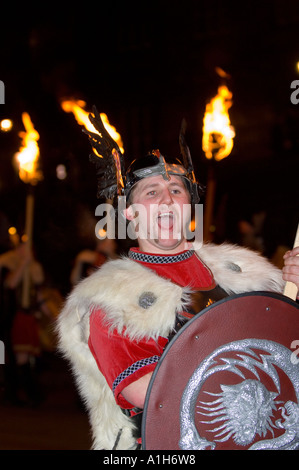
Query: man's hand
[{"x": 290, "y": 271}]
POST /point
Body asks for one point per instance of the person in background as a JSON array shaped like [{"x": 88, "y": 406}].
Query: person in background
[
  {"x": 21, "y": 330},
  {"x": 87, "y": 261}
]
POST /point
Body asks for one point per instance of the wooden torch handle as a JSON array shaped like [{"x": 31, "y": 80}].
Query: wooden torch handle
[{"x": 28, "y": 231}]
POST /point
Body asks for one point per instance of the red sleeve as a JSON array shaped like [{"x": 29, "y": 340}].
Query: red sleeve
[{"x": 121, "y": 360}]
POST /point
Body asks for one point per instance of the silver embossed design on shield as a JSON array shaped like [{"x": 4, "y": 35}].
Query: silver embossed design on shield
[{"x": 244, "y": 411}]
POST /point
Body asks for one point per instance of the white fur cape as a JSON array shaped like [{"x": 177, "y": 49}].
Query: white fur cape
[{"x": 117, "y": 288}]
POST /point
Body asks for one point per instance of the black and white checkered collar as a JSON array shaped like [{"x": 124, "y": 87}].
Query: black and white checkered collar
[{"x": 156, "y": 259}]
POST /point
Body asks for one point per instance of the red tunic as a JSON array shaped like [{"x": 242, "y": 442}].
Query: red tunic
[{"x": 123, "y": 361}]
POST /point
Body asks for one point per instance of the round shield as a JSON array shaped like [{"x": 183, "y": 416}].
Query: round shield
[{"x": 229, "y": 379}]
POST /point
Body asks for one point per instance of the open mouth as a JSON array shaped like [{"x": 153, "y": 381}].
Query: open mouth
[{"x": 165, "y": 220}]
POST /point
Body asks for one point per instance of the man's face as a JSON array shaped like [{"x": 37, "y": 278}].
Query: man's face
[{"x": 160, "y": 210}]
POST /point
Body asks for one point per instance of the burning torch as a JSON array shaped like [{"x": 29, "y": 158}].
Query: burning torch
[
  {"x": 27, "y": 159},
  {"x": 217, "y": 144}
]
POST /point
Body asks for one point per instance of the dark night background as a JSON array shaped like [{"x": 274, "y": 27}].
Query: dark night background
[{"x": 147, "y": 66}]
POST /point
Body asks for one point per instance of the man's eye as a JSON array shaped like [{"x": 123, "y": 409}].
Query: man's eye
[
  {"x": 176, "y": 191},
  {"x": 151, "y": 193}
]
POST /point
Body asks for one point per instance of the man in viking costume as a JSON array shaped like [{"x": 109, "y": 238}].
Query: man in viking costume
[{"x": 116, "y": 323}]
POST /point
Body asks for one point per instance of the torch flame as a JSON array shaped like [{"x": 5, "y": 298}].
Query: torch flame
[
  {"x": 28, "y": 155},
  {"x": 218, "y": 134},
  {"x": 77, "y": 108}
]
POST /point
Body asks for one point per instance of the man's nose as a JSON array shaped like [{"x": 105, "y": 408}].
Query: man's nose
[{"x": 166, "y": 197}]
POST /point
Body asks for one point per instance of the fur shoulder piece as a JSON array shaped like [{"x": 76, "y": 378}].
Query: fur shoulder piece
[
  {"x": 132, "y": 296},
  {"x": 237, "y": 269}
]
